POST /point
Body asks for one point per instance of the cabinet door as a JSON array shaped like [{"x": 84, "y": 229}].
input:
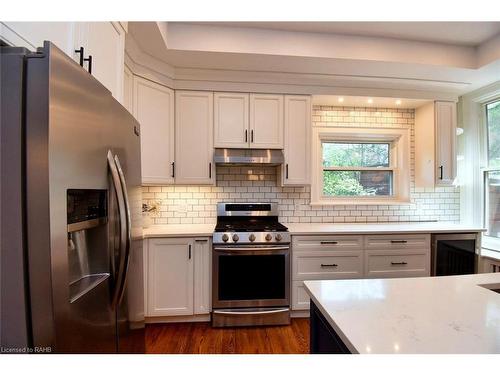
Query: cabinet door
[
  {"x": 128, "y": 89},
  {"x": 266, "y": 121},
  {"x": 170, "y": 277},
  {"x": 231, "y": 120},
  {"x": 300, "y": 298},
  {"x": 202, "y": 272},
  {"x": 446, "y": 133},
  {"x": 154, "y": 109},
  {"x": 106, "y": 43},
  {"x": 296, "y": 169},
  {"x": 194, "y": 137},
  {"x": 32, "y": 35}
]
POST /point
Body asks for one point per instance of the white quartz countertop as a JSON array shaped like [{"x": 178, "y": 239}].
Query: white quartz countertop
[
  {"x": 379, "y": 228},
  {"x": 447, "y": 314},
  {"x": 201, "y": 230},
  {"x": 179, "y": 230}
]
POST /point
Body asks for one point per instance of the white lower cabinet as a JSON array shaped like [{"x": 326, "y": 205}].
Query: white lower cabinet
[
  {"x": 334, "y": 257},
  {"x": 178, "y": 277},
  {"x": 312, "y": 265},
  {"x": 300, "y": 298},
  {"x": 202, "y": 273},
  {"x": 397, "y": 263}
]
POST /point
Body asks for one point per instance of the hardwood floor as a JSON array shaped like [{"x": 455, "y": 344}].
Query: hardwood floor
[{"x": 201, "y": 338}]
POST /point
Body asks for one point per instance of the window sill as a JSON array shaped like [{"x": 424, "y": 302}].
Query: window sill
[{"x": 360, "y": 202}]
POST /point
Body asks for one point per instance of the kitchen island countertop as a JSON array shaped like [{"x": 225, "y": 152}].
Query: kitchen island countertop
[{"x": 447, "y": 314}]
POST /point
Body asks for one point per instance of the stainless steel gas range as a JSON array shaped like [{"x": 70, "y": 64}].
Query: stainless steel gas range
[{"x": 251, "y": 266}]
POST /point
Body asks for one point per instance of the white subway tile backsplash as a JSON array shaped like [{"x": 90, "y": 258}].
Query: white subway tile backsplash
[{"x": 197, "y": 204}]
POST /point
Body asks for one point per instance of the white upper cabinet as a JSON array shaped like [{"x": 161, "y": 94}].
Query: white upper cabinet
[
  {"x": 435, "y": 144},
  {"x": 170, "y": 277},
  {"x": 296, "y": 169},
  {"x": 128, "y": 89},
  {"x": 32, "y": 35},
  {"x": 154, "y": 109},
  {"x": 231, "y": 120},
  {"x": 194, "y": 137},
  {"x": 105, "y": 42},
  {"x": 266, "y": 121},
  {"x": 446, "y": 133}
]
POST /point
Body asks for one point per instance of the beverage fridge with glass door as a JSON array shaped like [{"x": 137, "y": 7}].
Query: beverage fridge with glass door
[{"x": 71, "y": 234}]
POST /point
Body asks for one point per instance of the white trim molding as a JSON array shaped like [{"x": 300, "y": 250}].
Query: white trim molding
[{"x": 400, "y": 163}]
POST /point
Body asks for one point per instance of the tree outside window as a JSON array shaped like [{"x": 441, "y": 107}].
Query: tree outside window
[{"x": 357, "y": 169}]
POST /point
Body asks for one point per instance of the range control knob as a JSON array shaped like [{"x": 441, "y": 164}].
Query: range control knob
[
  {"x": 279, "y": 237},
  {"x": 269, "y": 237},
  {"x": 251, "y": 237},
  {"x": 225, "y": 237},
  {"x": 235, "y": 238}
]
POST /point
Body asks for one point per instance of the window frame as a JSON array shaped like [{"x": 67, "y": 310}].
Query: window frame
[
  {"x": 487, "y": 242},
  {"x": 399, "y": 161}
]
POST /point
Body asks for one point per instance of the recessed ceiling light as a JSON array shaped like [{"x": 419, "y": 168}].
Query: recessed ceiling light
[
  {"x": 341, "y": 100},
  {"x": 370, "y": 101},
  {"x": 398, "y": 102}
]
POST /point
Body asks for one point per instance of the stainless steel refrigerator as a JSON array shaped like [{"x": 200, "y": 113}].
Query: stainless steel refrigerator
[{"x": 71, "y": 233}]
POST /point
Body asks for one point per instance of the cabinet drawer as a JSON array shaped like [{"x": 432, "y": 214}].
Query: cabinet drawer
[
  {"x": 394, "y": 241},
  {"x": 300, "y": 298},
  {"x": 397, "y": 263},
  {"x": 308, "y": 265},
  {"x": 327, "y": 243}
]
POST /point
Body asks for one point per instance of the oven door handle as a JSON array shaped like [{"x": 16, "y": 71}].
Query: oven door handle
[
  {"x": 251, "y": 248},
  {"x": 247, "y": 312}
]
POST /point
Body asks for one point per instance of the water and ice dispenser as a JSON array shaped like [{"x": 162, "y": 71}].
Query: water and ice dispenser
[{"x": 88, "y": 255}]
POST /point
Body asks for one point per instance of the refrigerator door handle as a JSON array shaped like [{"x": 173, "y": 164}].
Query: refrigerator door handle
[
  {"x": 118, "y": 276},
  {"x": 128, "y": 225}
]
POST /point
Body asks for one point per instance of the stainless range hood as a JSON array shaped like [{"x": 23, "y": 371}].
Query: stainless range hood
[{"x": 243, "y": 156}]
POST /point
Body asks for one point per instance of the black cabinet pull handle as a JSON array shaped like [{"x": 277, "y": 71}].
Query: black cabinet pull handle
[
  {"x": 329, "y": 265},
  {"x": 80, "y": 52},
  {"x": 251, "y": 136},
  {"x": 286, "y": 169},
  {"x": 441, "y": 172},
  {"x": 189, "y": 251},
  {"x": 89, "y": 59},
  {"x": 398, "y": 263},
  {"x": 173, "y": 169},
  {"x": 209, "y": 170},
  {"x": 399, "y": 241},
  {"x": 246, "y": 135},
  {"x": 328, "y": 242}
]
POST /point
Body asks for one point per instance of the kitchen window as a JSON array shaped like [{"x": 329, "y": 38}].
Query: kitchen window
[
  {"x": 491, "y": 239},
  {"x": 361, "y": 166},
  {"x": 357, "y": 169}
]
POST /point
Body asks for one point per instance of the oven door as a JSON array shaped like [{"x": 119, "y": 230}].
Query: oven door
[{"x": 250, "y": 276}]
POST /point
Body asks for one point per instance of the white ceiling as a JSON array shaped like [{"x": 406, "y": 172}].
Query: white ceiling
[
  {"x": 459, "y": 33},
  {"x": 362, "y": 101},
  {"x": 325, "y": 62}
]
